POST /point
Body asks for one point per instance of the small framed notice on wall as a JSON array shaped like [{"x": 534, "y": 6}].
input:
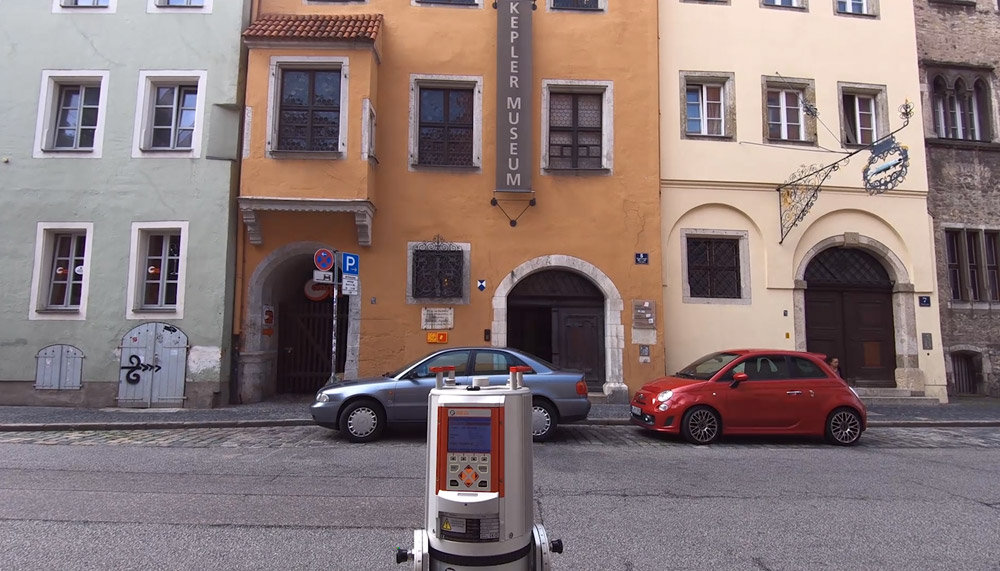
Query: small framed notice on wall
[{"x": 644, "y": 314}]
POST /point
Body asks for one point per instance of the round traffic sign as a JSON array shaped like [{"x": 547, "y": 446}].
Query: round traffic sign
[{"x": 324, "y": 260}]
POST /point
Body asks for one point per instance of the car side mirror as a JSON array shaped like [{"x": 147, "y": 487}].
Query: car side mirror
[{"x": 737, "y": 379}]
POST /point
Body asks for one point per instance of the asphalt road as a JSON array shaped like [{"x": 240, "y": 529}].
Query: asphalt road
[{"x": 302, "y": 498}]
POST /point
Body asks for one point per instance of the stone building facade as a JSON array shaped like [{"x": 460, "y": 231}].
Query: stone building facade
[{"x": 959, "y": 49}]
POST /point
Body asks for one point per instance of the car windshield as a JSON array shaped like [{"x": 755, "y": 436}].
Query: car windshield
[{"x": 707, "y": 366}]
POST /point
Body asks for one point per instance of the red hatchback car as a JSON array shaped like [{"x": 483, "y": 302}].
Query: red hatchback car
[{"x": 752, "y": 391}]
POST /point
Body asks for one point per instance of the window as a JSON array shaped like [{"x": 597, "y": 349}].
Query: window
[
  {"x": 594, "y": 5},
  {"x": 457, "y": 359},
  {"x": 859, "y": 119},
  {"x": 169, "y": 114},
  {"x": 368, "y": 131},
  {"x": 158, "y": 258},
  {"x": 188, "y": 6},
  {"x": 764, "y": 368},
  {"x": 58, "y": 367},
  {"x": 450, "y": 2},
  {"x": 715, "y": 266},
  {"x": 437, "y": 271},
  {"x": 857, "y": 7},
  {"x": 786, "y": 3},
  {"x": 962, "y": 107},
  {"x": 62, "y": 268},
  {"x": 74, "y": 6},
  {"x": 707, "y": 108},
  {"x": 492, "y": 363},
  {"x": 789, "y": 111},
  {"x": 70, "y": 115},
  {"x": 972, "y": 264},
  {"x": 803, "y": 368},
  {"x": 446, "y": 121},
  {"x": 577, "y": 125},
  {"x": 309, "y": 117},
  {"x": 446, "y": 126}
]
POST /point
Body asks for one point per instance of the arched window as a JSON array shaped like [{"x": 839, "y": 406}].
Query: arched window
[{"x": 961, "y": 110}]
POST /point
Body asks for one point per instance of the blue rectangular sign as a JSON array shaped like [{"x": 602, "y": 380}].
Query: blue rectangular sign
[{"x": 349, "y": 264}]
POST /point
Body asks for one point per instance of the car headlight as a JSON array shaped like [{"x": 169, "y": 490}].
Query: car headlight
[
  {"x": 662, "y": 398},
  {"x": 322, "y": 397}
]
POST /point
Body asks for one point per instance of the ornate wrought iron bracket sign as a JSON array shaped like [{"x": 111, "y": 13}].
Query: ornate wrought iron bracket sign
[
  {"x": 513, "y": 221},
  {"x": 886, "y": 168}
]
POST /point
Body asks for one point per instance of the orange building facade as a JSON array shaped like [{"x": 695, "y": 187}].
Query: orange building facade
[{"x": 494, "y": 169}]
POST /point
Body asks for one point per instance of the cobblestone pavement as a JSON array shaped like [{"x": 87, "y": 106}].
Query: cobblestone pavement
[{"x": 310, "y": 436}]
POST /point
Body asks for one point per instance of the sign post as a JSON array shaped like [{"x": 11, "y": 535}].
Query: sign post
[{"x": 326, "y": 262}]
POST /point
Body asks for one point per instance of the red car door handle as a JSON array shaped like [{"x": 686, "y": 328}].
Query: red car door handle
[{"x": 793, "y": 393}]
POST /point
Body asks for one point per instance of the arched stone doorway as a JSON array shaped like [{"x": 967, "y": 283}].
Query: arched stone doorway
[
  {"x": 848, "y": 311},
  {"x": 287, "y": 337},
  {"x": 614, "y": 387},
  {"x": 558, "y": 315}
]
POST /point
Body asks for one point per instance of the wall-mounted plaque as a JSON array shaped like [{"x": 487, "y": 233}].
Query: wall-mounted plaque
[
  {"x": 437, "y": 318},
  {"x": 643, "y": 314}
]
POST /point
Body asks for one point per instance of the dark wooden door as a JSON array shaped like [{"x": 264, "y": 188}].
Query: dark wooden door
[
  {"x": 857, "y": 327},
  {"x": 579, "y": 339},
  {"x": 305, "y": 337}
]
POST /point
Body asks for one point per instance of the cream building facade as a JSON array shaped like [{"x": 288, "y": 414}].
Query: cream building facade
[{"x": 796, "y": 85}]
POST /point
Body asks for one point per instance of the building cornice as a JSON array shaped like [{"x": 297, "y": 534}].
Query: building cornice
[
  {"x": 760, "y": 186},
  {"x": 250, "y": 206},
  {"x": 939, "y": 64}
]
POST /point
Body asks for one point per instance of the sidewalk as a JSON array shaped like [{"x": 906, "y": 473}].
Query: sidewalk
[{"x": 294, "y": 411}]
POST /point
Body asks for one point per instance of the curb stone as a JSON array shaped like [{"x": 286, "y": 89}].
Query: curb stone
[{"x": 175, "y": 425}]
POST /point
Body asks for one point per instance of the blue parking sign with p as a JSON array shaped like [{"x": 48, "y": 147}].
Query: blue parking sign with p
[{"x": 349, "y": 264}]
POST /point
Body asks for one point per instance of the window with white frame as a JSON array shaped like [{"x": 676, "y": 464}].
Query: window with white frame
[
  {"x": 446, "y": 121},
  {"x": 577, "y": 125},
  {"x": 309, "y": 111},
  {"x": 857, "y": 7},
  {"x": 707, "y": 107},
  {"x": 169, "y": 114},
  {"x": 195, "y": 6},
  {"x": 85, "y": 6},
  {"x": 962, "y": 105},
  {"x": 785, "y": 3},
  {"x": 368, "y": 131},
  {"x": 788, "y": 110},
  {"x": 715, "y": 266},
  {"x": 71, "y": 112},
  {"x": 157, "y": 258},
  {"x": 863, "y": 113},
  {"x": 62, "y": 270}
]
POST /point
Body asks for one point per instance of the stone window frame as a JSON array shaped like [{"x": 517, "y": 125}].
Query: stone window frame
[
  {"x": 871, "y": 10},
  {"x": 970, "y": 76},
  {"x": 466, "y": 249},
  {"x": 44, "y": 245},
  {"x": 142, "y": 130},
  {"x": 48, "y": 112},
  {"x": 369, "y": 124},
  {"x": 716, "y": 2},
  {"x": 728, "y": 81},
  {"x": 67, "y": 7},
  {"x": 807, "y": 87},
  {"x": 140, "y": 233},
  {"x": 798, "y": 5},
  {"x": 280, "y": 63},
  {"x": 967, "y": 300},
  {"x": 878, "y": 92},
  {"x": 475, "y": 82},
  {"x": 601, "y": 87},
  {"x": 744, "y": 252}
]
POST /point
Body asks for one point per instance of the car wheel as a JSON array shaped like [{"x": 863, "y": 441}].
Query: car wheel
[
  {"x": 843, "y": 427},
  {"x": 543, "y": 420},
  {"x": 701, "y": 425},
  {"x": 362, "y": 421}
]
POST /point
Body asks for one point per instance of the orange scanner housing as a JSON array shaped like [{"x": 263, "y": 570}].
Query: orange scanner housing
[{"x": 455, "y": 438}]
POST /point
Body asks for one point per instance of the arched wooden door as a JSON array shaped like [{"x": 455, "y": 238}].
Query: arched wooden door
[
  {"x": 559, "y": 316},
  {"x": 848, "y": 306}
]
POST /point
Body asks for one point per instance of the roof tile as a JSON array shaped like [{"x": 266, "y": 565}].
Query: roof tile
[{"x": 315, "y": 27}]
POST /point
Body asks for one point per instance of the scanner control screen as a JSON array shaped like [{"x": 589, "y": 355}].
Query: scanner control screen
[{"x": 469, "y": 435}]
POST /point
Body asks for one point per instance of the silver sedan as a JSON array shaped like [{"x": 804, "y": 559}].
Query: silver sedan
[{"x": 361, "y": 409}]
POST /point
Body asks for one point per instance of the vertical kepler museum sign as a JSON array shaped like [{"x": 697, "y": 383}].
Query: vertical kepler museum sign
[{"x": 514, "y": 97}]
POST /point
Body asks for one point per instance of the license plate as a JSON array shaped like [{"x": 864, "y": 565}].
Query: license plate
[{"x": 636, "y": 410}]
